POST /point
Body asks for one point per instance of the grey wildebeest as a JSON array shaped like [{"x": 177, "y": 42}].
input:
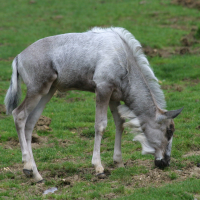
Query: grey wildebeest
[{"x": 109, "y": 62}]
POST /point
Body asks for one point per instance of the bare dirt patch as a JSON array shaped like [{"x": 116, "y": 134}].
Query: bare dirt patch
[
  {"x": 152, "y": 52},
  {"x": 2, "y": 109},
  {"x": 154, "y": 177},
  {"x": 187, "y": 42},
  {"x": 188, "y": 3},
  {"x": 83, "y": 132},
  {"x": 157, "y": 177},
  {"x": 43, "y": 124},
  {"x": 110, "y": 196},
  {"x": 173, "y": 87},
  {"x": 192, "y": 153},
  {"x": 11, "y": 143},
  {"x": 191, "y": 82},
  {"x": 170, "y": 51},
  {"x": 64, "y": 143},
  {"x": 189, "y": 39},
  {"x": 60, "y": 94},
  {"x": 179, "y": 88}
]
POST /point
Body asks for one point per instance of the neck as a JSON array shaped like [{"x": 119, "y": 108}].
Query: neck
[{"x": 139, "y": 99}]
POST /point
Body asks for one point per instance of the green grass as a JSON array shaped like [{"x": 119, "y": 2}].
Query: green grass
[{"x": 157, "y": 24}]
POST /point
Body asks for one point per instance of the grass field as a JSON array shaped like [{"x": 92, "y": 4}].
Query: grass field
[{"x": 170, "y": 34}]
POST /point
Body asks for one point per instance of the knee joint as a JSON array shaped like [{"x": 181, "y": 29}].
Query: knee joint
[
  {"x": 18, "y": 118},
  {"x": 100, "y": 127}
]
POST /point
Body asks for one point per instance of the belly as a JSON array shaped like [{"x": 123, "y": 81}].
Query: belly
[{"x": 75, "y": 81}]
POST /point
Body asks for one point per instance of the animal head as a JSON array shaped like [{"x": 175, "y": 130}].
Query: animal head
[{"x": 155, "y": 135}]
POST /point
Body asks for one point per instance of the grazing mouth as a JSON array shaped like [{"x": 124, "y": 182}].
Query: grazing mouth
[{"x": 163, "y": 162}]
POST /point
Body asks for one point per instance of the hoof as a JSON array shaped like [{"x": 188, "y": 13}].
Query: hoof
[
  {"x": 119, "y": 164},
  {"x": 28, "y": 173},
  {"x": 101, "y": 175},
  {"x": 41, "y": 181}
]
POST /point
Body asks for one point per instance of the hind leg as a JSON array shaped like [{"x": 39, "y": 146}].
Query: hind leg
[
  {"x": 20, "y": 115},
  {"x": 30, "y": 123},
  {"x": 22, "y": 112}
]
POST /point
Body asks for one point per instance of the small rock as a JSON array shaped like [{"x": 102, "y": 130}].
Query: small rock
[
  {"x": 198, "y": 164},
  {"x": 50, "y": 190}
]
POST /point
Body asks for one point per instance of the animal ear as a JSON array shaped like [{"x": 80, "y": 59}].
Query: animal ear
[
  {"x": 173, "y": 113},
  {"x": 162, "y": 115}
]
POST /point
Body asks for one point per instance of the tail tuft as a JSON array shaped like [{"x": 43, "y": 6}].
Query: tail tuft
[{"x": 13, "y": 95}]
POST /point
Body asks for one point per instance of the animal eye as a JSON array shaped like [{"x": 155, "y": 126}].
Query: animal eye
[{"x": 169, "y": 133}]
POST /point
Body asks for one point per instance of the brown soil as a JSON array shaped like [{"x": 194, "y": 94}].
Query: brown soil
[
  {"x": 188, "y": 3},
  {"x": 2, "y": 109},
  {"x": 167, "y": 52},
  {"x": 13, "y": 143},
  {"x": 192, "y": 153},
  {"x": 43, "y": 124},
  {"x": 79, "y": 131},
  {"x": 157, "y": 177},
  {"x": 173, "y": 87},
  {"x": 180, "y": 88},
  {"x": 154, "y": 176},
  {"x": 187, "y": 43},
  {"x": 191, "y": 82},
  {"x": 60, "y": 94},
  {"x": 190, "y": 39}
]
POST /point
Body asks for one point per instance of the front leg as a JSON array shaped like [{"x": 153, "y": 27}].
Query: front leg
[
  {"x": 103, "y": 93},
  {"x": 117, "y": 157}
]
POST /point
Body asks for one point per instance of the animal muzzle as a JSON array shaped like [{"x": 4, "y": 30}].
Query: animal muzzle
[{"x": 165, "y": 162}]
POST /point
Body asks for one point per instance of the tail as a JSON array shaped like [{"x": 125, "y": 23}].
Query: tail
[{"x": 14, "y": 92}]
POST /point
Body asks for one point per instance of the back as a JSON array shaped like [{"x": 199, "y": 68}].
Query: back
[{"x": 77, "y": 57}]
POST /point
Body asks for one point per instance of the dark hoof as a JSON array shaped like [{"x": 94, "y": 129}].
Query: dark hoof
[
  {"x": 101, "y": 175},
  {"x": 198, "y": 164},
  {"x": 41, "y": 181},
  {"x": 28, "y": 173}
]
